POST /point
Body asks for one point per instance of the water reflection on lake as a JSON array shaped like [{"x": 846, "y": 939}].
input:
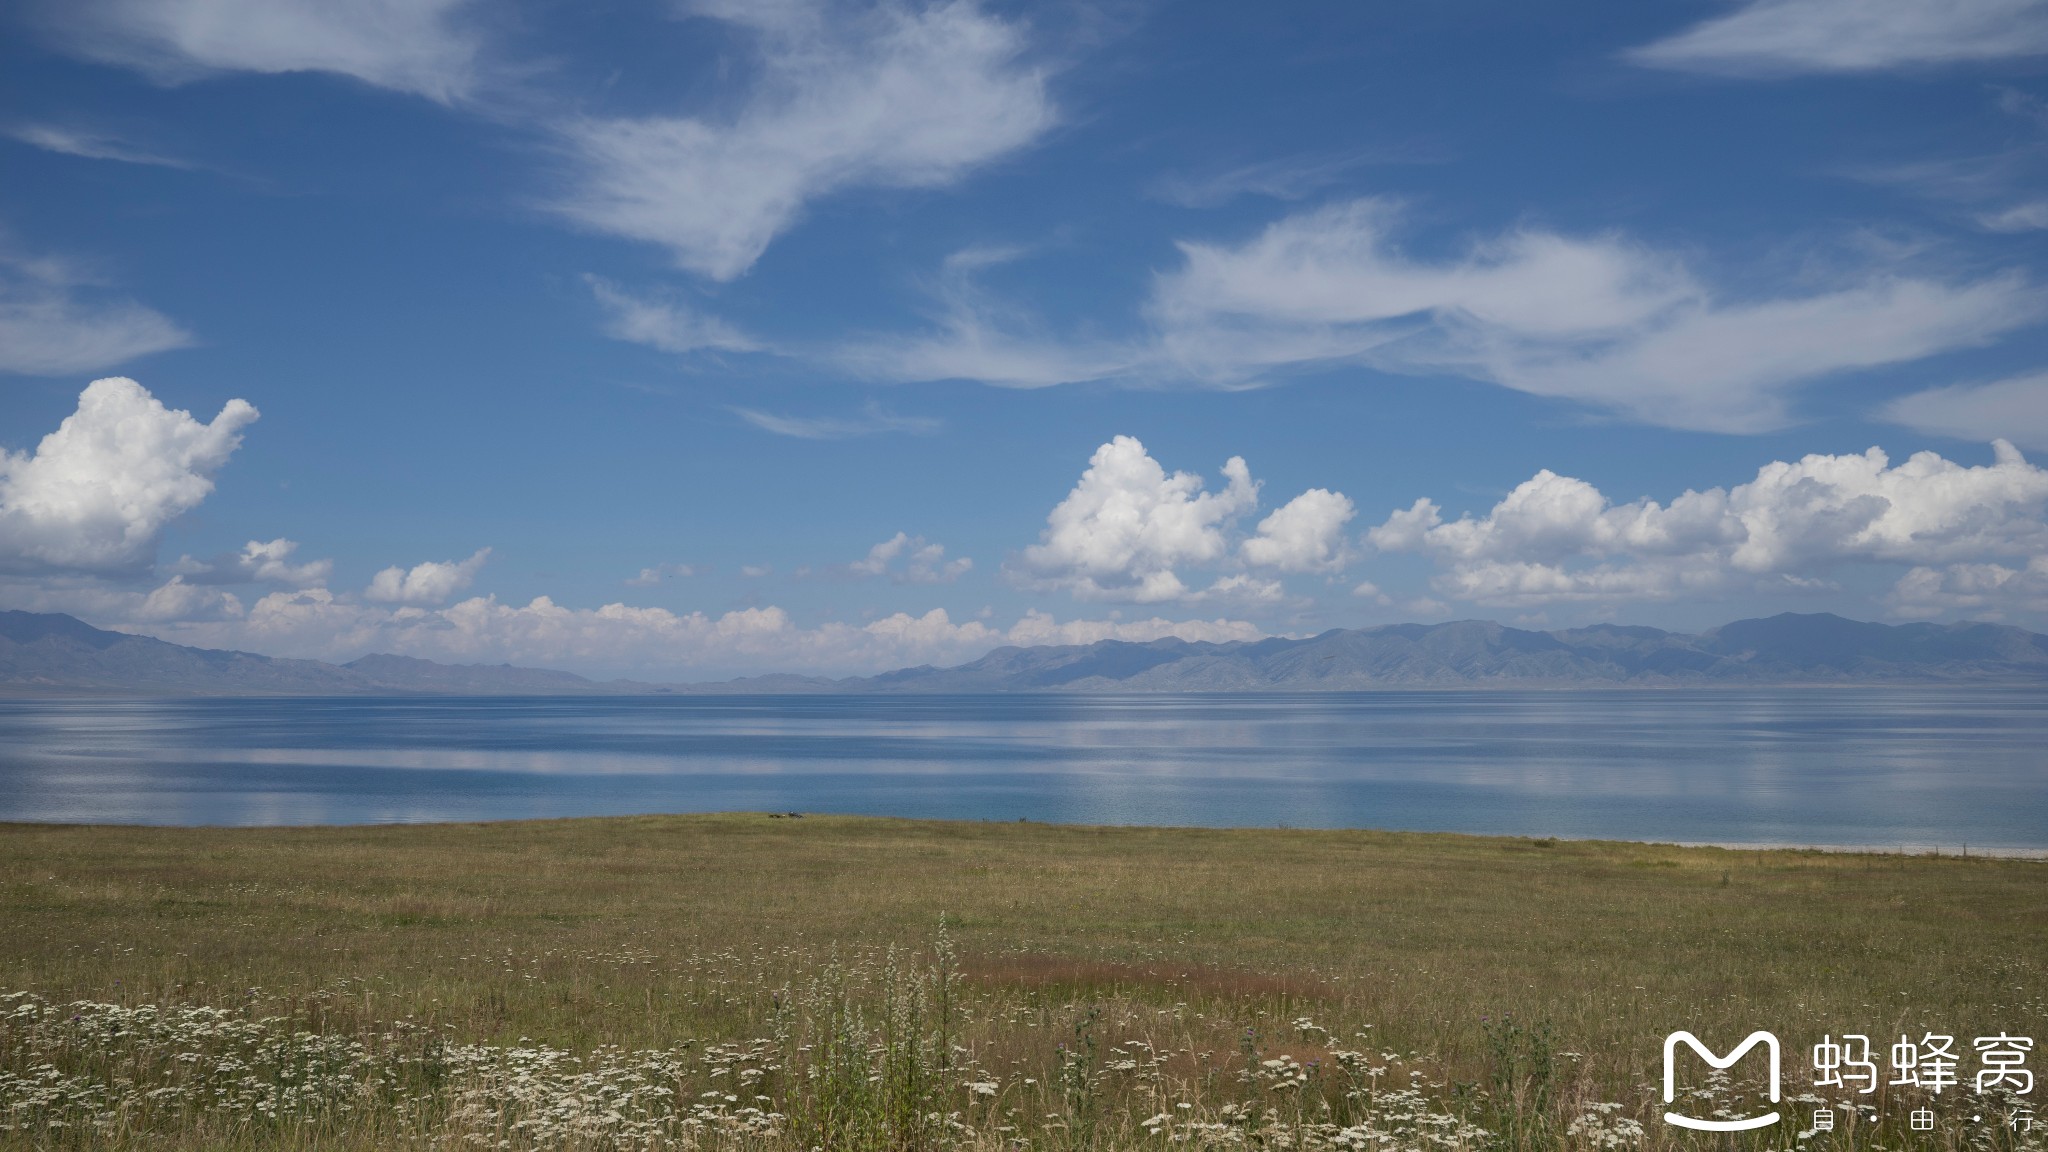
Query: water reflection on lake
[{"x": 1863, "y": 765}]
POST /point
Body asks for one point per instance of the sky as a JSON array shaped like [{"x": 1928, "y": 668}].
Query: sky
[{"x": 688, "y": 340}]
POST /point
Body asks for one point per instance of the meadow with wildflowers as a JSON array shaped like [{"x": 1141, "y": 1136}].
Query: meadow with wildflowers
[{"x": 748, "y": 982}]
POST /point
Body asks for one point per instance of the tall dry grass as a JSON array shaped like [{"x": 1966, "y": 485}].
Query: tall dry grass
[{"x": 740, "y": 982}]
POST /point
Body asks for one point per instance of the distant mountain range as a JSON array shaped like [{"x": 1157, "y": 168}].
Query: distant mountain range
[
  {"x": 51, "y": 653},
  {"x": 54, "y": 653}
]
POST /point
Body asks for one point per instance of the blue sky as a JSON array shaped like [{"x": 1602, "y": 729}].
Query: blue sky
[{"x": 688, "y": 340}]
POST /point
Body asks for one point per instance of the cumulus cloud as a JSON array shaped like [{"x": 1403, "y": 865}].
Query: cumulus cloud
[
  {"x": 668, "y": 325},
  {"x": 921, "y": 562},
  {"x": 55, "y": 320},
  {"x": 1557, "y": 538},
  {"x": 1984, "y": 590},
  {"x": 1371, "y": 591},
  {"x": 433, "y": 582},
  {"x": 95, "y": 494},
  {"x": 872, "y": 421},
  {"x": 1128, "y": 524},
  {"x": 259, "y": 562},
  {"x": 2015, "y": 409},
  {"x": 176, "y": 600},
  {"x": 898, "y": 96},
  {"x": 422, "y": 47},
  {"x": 1598, "y": 320},
  {"x": 1306, "y": 534},
  {"x": 1785, "y": 37},
  {"x": 618, "y": 639},
  {"x": 1128, "y": 527}
]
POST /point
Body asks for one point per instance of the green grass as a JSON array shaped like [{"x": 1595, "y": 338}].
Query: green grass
[{"x": 1518, "y": 978}]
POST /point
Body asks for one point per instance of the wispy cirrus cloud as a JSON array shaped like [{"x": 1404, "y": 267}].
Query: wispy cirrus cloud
[
  {"x": 977, "y": 335},
  {"x": 55, "y": 319},
  {"x": 91, "y": 145},
  {"x": 1784, "y": 37},
  {"x": 1599, "y": 320},
  {"x": 872, "y": 420},
  {"x": 892, "y": 95},
  {"x": 1293, "y": 177},
  {"x": 2014, "y": 409},
  {"x": 1997, "y": 191},
  {"x": 895, "y": 96},
  {"x": 665, "y": 323},
  {"x": 429, "y": 48}
]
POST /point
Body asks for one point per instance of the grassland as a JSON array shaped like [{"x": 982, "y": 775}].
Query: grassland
[{"x": 1090, "y": 987}]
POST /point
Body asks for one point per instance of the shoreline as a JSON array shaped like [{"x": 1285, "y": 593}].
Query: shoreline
[
  {"x": 1959, "y": 851},
  {"x": 1924, "y": 849}
]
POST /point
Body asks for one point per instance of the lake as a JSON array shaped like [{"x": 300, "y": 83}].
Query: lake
[{"x": 1873, "y": 766}]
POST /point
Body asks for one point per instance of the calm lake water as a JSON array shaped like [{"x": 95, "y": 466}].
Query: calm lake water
[{"x": 1843, "y": 766}]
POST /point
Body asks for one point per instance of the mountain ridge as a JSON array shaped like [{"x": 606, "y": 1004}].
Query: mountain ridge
[{"x": 52, "y": 653}]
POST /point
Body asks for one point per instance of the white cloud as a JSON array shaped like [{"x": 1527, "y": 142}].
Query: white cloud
[
  {"x": 1984, "y": 590},
  {"x": 873, "y": 420},
  {"x": 2031, "y": 216},
  {"x": 898, "y": 96},
  {"x": 1783, "y": 37},
  {"x": 416, "y": 46},
  {"x": 1039, "y": 628},
  {"x": 1593, "y": 320},
  {"x": 649, "y": 577},
  {"x": 619, "y": 639},
  {"x": 1371, "y": 591},
  {"x": 1556, "y": 538},
  {"x": 433, "y": 582},
  {"x": 1128, "y": 524},
  {"x": 259, "y": 562},
  {"x": 97, "y": 492},
  {"x": 90, "y": 145},
  {"x": 1337, "y": 265},
  {"x": 1128, "y": 527},
  {"x": 1288, "y": 178},
  {"x": 54, "y": 321},
  {"x": 923, "y": 563},
  {"x": 1306, "y": 534},
  {"x": 1596, "y": 320},
  {"x": 175, "y": 600},
  {"x": 1998, "y": 191},
  {"x": 665, "y": 324},
  {"x": 973, "y": 342},
  {"x": 979, "y": 337},
  {"x": 2015, "y": 409},
  {"x": 1732, "y": 368}
]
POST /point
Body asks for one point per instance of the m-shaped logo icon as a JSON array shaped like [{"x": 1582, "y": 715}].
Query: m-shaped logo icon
[{"x": 1671, "y": 1043}]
